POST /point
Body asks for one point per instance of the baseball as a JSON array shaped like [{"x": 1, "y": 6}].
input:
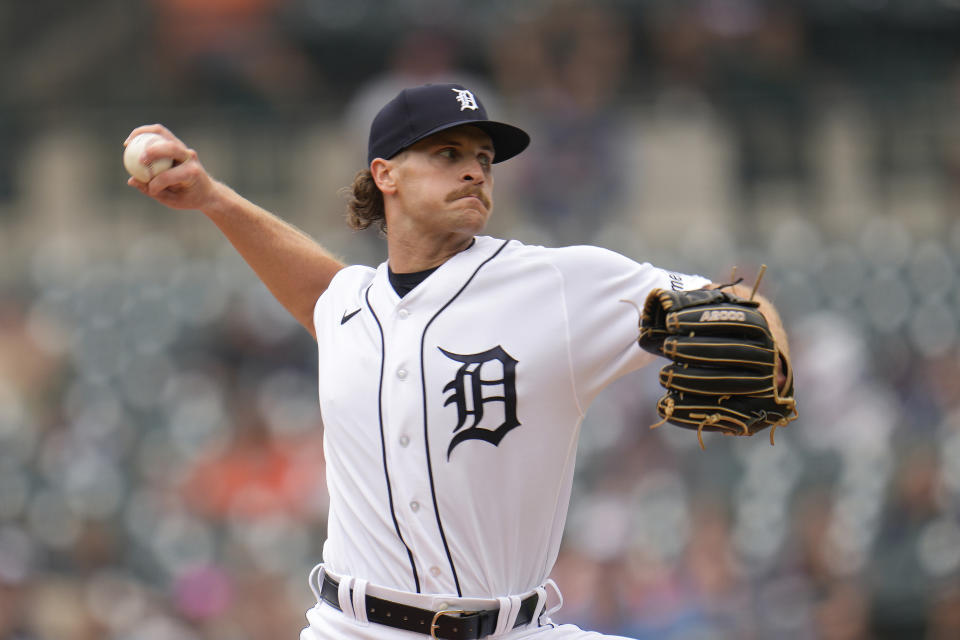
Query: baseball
[{"x": 131, "y": 158}]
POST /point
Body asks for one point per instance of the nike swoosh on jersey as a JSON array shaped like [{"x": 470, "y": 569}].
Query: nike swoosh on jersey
[{"x": 347, "y": 316}]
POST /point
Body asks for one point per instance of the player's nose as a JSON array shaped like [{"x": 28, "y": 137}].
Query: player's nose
[{"x": 474, "y": 171}]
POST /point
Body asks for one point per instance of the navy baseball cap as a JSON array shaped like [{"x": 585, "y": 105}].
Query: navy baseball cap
[{"x": 421, "y": 111}]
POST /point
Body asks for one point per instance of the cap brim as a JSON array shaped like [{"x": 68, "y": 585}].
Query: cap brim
[{"x": 507, "y": 139}]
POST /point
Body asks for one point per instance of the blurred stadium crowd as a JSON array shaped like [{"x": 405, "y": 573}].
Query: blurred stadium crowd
[{"x": 161, "y": 471}]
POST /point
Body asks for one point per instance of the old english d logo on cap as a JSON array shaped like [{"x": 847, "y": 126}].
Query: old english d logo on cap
[
  {"x": 418, "y": 112},
  {"x": 466, "y": 99}
]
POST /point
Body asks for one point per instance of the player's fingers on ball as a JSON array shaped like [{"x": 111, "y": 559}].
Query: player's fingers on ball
[
  {"x": 158, "y": 129},
  {"x": 163, "y": 181},
  {"x": 181, "y": 177},
  {"x": 136, "y": 184},
  {"x": 145, "y": 128},
  {"x": 184, "y": 156},
  {"x": 166, "y": 149}
]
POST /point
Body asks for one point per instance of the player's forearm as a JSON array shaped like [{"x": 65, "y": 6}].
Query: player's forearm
[{"x": 294, "y": 267}]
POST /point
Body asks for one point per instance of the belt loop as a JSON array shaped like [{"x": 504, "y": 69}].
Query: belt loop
[
  {"x": 541, "y": 604},
  {"x": 314, "y": 580},
  {"x": 553, "y": 585},
  {"x": 343, "y": 594},
  {"x": 509, "y": 608},
  {"x": 360, "y": 601}
]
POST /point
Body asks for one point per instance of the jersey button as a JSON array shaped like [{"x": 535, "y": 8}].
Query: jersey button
[
  {"x": 401, "y": 373},
  {"x": 434, "y": 571},
  {"x": 403, "y": 313},
  {"x": 404, "y": 441},
  {"x": 414, "y": 506}
]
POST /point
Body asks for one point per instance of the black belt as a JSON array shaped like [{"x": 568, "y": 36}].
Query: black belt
[{"x": 447, "y": 625}]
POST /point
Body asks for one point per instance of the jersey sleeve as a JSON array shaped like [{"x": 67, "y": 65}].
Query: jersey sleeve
[
  {"x": 604, "y": 292},
  {"x": 344, "y": 294}
]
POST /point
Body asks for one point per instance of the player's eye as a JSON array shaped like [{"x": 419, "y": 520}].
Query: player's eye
[
  {"x": 449, "y": 153},
  {"x": 485, "y": 160}
]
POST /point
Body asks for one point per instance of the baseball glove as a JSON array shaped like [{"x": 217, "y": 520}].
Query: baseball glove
[{"x": 724, "y": 371}]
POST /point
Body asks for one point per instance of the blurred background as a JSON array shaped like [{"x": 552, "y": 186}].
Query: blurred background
[{"x": 160, "y": 466}]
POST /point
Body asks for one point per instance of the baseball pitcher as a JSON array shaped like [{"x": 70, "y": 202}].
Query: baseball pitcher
[{"x": 454, "y": 377}]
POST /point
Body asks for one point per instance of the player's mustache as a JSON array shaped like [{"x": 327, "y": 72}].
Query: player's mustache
[{"x": 469, "y": 191}]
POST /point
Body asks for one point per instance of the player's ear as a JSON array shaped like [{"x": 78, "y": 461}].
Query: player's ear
[{"x": 384, "y": 175}]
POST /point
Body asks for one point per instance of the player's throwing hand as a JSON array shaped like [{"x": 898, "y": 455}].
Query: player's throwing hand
[{"x": 186, "y": 185}]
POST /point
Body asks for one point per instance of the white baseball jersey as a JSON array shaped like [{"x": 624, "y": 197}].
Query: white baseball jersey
[{"x": 452, "y": 414}]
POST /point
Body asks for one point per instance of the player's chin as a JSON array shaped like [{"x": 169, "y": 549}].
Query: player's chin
[
  {"x": 473, "y": 213},
  {"x": 474, "y": 220}
]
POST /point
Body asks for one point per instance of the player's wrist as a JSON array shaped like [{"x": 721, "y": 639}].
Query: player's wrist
[{"x": 220, "y": 201}]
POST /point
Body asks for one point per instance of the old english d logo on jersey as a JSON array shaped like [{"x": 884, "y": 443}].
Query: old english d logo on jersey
[{"x": 467, "y": 394}]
